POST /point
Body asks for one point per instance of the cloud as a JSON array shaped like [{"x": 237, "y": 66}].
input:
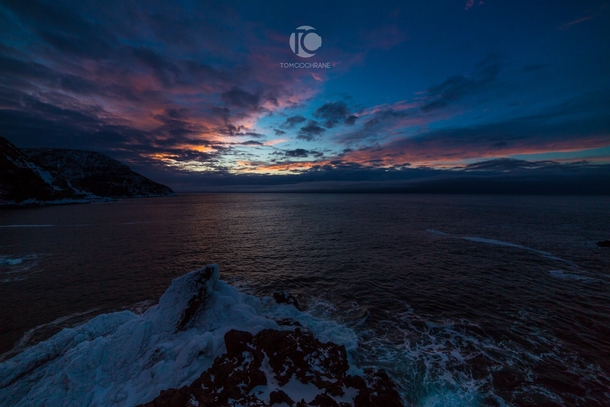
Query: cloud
[
  {"x": 470, "y": 4},
  {"x": 458, "y": 87},
  {"x": 351, "y": 120},
  {"x": 311, "y": 131},
  {"x": 147, "y": 84},
  {"x": 580, "y": 123},
  {"x": 511, "y": 164},
  {"x": 333, "y": 113},
  {"x": 491, "y": 177},
  {"x": 291, "y": 122},
  {"x": 241, "y": 98},
  {"x": 577, "y": 21},
  {"x": 299, "y": 152},
  {"x": 123, "y": 79}
]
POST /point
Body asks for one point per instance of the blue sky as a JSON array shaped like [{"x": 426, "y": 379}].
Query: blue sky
[{"x": 191, "y": 91}]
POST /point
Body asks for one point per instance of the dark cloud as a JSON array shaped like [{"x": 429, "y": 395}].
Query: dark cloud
[
  {"x": 147, "y": 84},
  {"x": 163, "y": 69},
  {"x": 311, "y": 131},
  {"x": 291, "y": 122},
  {"x": 299, "y": 152},
  {"x": 372, "y": 127},
  {"x": 460, "y": 86},
  {"x": 176, "y": 122},
  {"x": 64, "y": 29},
  {"x": 240, "y": 98},
  {"x": 340, "y": 176},
  {"x": 509, "y": 164},
  {"x": 351, "y": 120},
  {"x": 334, "y": 112},
  {"x": 579, "y": 123}
]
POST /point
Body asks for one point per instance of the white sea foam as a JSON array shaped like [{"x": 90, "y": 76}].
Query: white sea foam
[
  {"x": 17, "y": 268},
  {"x": 122, "y": 359},
  {"x": 569, "y": 276},
  {"x": 437, "y": 232},
  {"x": 26, "y": 226},
  {"x": 501, "y": 243}
]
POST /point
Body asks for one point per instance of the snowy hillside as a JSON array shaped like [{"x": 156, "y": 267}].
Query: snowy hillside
[
  {"x": 96, "y": 174},
  {"x": 51, "y": 176},
  {"x": 24, "y": 182}
]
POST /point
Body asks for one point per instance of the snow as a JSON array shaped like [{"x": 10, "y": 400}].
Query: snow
[
  {"x": 295, "y": 389},
  {"x": 123, "y": 359}
]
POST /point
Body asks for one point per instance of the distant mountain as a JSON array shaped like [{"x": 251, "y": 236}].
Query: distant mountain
[{"x": 56, "y": 176}]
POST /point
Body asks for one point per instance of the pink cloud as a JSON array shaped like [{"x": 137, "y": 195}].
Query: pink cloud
[{"x": 571, "y": 23}]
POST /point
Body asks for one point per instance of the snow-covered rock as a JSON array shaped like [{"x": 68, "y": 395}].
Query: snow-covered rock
[
  {"x": 125, "y": 359},
  {"x": 122, "y": 359}
]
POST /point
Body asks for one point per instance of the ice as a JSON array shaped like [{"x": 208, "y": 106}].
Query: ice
[{"x": 123, "y": 359}]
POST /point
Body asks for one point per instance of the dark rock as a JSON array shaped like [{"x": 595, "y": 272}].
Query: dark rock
[
  {"x": 278, "y": 397},
  {"x": 604, "y": 243},
  {"x": 283, "y": 297},
  {"x": 288, "y": 322},
  {"x": 198, "y": 300},
  {"x": 237, "y": 342},
  {"x": 291, "y": 355},
  {"x": 324, "y": 400}
]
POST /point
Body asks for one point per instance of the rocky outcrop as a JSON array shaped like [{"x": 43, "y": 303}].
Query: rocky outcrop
[
  {"x": 52, "y": 176},
  {"x": 199, "y": 298},
  {"x": 204, "y": 344},
  {"x": 287, "y": 367},
  {"x": 283, "y": 297}
]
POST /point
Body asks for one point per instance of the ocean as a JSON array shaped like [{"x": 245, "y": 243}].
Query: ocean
[{"x": 464, "y": 300}]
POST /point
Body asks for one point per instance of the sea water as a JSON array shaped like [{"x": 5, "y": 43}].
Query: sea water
[{"x": 464, "y": 300}]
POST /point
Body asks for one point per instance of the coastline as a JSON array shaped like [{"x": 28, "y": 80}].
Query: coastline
[{"x": 199, "y": 325}]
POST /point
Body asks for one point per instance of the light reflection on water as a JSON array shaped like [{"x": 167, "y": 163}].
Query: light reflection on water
[{"x": 423, "y": 280}]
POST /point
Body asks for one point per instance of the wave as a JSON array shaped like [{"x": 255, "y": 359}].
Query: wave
[
  {"x": 502, "y": 243},
  {"x": 568, "y": 276},
  {"x": 17, "y": 268}
]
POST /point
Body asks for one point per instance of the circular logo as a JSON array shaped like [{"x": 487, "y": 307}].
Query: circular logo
[{"x": 304, "y": 41}]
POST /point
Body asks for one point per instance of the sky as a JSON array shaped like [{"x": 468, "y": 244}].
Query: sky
[{"x": 201, "y": 94}]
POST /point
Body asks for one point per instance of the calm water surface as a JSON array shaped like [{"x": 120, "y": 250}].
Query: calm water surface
[{"x": 466, "y": 300}]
